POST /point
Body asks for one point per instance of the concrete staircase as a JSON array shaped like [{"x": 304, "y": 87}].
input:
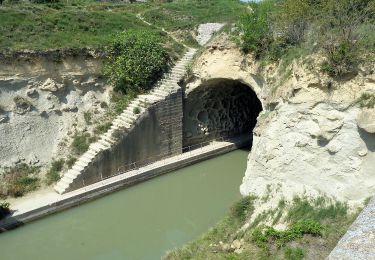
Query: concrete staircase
[{"x": 126, "y": 120}]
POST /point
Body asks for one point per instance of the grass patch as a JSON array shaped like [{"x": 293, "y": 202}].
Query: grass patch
[
  {"x": 19, "y": 180},
  {"x": 102, "y": 128},
  {"x": 88, "y": 117},
  {"x": 311, "y": 222},
  {"x": 81, "y": 143},
  {"x": 70, "y": 161},
  {"x": 61, "y": 25},
  {"x": 53, "y": 174}
]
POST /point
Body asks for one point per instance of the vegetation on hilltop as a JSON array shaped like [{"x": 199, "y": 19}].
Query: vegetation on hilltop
[
  {"x": 136, "y": 60},
  {"x": 310, "y": 224},
  {"x": 49, "y": 24},
  {"x": 342, "y": 30}
]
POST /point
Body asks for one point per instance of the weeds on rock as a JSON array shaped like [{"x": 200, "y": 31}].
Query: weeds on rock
[
  {"x": 309, "y": 222},
  {"x": 19, "y": 180},
  {"x": 4, "y": 209},
  {"x": 53, "y": 174},
  {"x": 367, "y": 100},
  {"x": 81, "y": 143}
]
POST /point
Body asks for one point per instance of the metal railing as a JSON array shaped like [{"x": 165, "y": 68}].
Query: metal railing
[{"x": 161, "y": 158}]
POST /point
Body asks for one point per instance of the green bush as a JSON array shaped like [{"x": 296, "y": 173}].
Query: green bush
[
  {"x": 255, "y": 28},
  {"x": 342, "y": 58},
  {"x": 136, "y": 110},
  {"x": 102, "y": 128},
  {"x": 53, "y": 174},
  {"x": 264, "y": 235},
  {"x": 136, "y": 60},
  {"x": 81, "y": 143},
  {"x": 242, "y": 208},
  {"x": 4, "y": 209},
  {"x": 367, "y": 100},
  {"x": 19, "y": 180},
  {"x": 70, "y": 161}
]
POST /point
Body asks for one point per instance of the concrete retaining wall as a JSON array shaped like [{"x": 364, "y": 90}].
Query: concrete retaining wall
[{"x": 155, "y": 136}]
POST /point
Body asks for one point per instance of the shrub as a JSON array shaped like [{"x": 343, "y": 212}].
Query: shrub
[
  {"x": 102, "y": 128},
  {"x": 243, "y": 208},
  {"x": 70, "y": 161},
  {"x": 87, "y": 116},
  {"x": 255, "y": 28},
  {"x": 136, "y": 110},
  {"x": 263, "y": 235},
  {"x": 343, "y": 58},
  {"x": 19, "y": 180},
  {"x": 367, "y": 100},
  {"x": 4, "y": 209},
  {"x": 136, "y": 60},
  {"x": 53, "y": 174},
  {"x": 121, "y": 101},
  {"x": 81, "y": 143}
]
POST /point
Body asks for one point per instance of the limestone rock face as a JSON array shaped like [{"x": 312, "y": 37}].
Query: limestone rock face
[
  {"x": 366, "y": 120},
  {"x": 51, "y": 85},
  {"x": 312, "y": 150},
  {"x": 40, "y": 106}
]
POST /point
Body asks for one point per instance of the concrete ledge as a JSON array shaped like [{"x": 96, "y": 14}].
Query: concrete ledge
[{"x": 52, "y": 202}]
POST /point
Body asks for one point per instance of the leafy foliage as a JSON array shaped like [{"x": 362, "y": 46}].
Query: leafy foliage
[
  {"x": 264, "y": 235},
  {"x": 136, "y": 60},
  {"x": 343, "y": 30}
]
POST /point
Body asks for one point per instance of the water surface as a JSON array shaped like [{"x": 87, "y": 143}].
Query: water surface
[{"x": 141, "y": 222}]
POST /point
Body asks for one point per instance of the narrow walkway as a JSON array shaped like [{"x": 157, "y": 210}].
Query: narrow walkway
[{"x": 42, "y": 204}]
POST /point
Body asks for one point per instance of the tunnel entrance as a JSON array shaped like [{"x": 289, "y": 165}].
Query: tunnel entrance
[{"x": 219, "y": 108}]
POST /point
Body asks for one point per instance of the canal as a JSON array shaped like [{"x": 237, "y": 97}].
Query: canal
[{"x": 141, "y": 222}]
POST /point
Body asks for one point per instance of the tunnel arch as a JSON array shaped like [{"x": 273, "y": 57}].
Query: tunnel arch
[{"x": 219, "y": 107}]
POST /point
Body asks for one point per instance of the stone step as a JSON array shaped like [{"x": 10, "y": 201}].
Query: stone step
[
  {"x": 79, "y": 168},
  {"x": 92, "y": 151},
  {"x": 108, "y": 139},
  {"x": 61, "y": 187},
  {"x": 105, "y": 143},
  {"x": 66, "y": 181},
  {"x": 85, "y": 160},
  {"x": 87, "y": 156},
  {"x": 129, "y": 114},
  {"x": 160, "y": 91},
  {"x": 80, "y": 165},
  {"x": 119, "y": 122},
  {"x": 97, "y": 147}
]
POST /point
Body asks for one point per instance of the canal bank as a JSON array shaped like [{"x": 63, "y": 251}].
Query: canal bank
[
  {"x": 141, "y": 222},
  {"x": 49, "y": 203}
]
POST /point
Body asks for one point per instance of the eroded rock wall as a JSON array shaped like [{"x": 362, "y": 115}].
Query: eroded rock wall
[
  {"x": 312, "y": 137},
  {"x": 42, "y": 99}
]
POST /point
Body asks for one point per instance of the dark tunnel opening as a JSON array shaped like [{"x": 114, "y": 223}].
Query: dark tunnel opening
[{"x": 219, "y": 108}]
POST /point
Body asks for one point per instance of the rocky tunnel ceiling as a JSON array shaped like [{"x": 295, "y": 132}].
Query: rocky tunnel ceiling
[{"x": 219, "y": 108}]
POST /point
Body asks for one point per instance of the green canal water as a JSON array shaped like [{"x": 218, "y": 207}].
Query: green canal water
[{"x": 141, "y": 222}]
